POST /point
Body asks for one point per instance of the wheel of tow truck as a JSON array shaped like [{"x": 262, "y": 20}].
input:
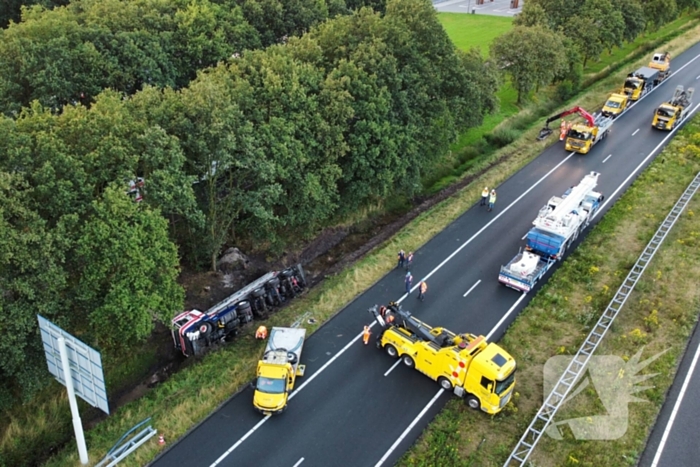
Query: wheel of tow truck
[
  {"x": 291, "y": 357},
  {"x": 473, "y": 402},
  {"x": 445, "y": 383},
  {"x": 391, "y": 350},
  {"x": 408, "y": 361},
  {"x": 257, "y": 293}
]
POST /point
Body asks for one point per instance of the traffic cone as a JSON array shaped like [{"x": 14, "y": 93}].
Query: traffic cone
[{"x": 161, "y": 440}]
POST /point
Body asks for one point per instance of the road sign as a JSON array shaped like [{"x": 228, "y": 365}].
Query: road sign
[{"x": 85, "y": 363}]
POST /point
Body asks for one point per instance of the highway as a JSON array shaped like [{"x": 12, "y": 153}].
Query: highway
[
  {"x": 673, "y": 443},
  {"x": 355, "y": 406}
]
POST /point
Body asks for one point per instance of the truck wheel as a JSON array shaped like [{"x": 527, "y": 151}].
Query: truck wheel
[
  {"x": 205, "y": 329},
  {"x": 391, "y": 350},
  {"x": 408, "y": 361},
  {"x": 445, "y": 383},
  {"x": 473, "y": 402},
  {"x": 291, "y": 357},
  {"x": 257, "y": 293}
]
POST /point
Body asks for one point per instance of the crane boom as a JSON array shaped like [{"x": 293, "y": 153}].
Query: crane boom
[
  {"x": 555, "y": 215},
  {"x": 546, "y": 131}
]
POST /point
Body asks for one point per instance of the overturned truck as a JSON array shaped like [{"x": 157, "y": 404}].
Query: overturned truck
[{"x": 194, "y": 330}]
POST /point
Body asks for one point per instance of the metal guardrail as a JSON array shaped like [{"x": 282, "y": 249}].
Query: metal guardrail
[
  {"x": 556, "y": 398},
  {"x": 119, "y": 451}
]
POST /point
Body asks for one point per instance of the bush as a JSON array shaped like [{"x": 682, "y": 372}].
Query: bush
[
  {"x": 566, "y": 90},
  {"x": 501, "y": 137}
]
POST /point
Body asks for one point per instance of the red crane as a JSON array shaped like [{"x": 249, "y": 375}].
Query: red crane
[{"x": 546, "y": 131}]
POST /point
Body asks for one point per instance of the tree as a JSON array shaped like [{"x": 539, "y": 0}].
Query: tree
[
  {"x": 128, "y": 273},
  {"x": 10, "y": 10},
  {"x": 633, "y": 15},
  {"x": 659, "y": 12},
  {"x": 531, "y": 56},
  {"x": 532, "y": 14}
]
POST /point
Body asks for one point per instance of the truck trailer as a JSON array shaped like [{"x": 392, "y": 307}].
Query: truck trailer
[
  {"x": 194, "y": 330},
  {"x": 557, "y": 226}
]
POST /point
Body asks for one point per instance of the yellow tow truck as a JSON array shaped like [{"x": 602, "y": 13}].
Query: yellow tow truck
[
  {"x": 278, "y": 369},
  {"x": 482, "y": 373},
  {"x": 581, "y": 137},
  {"x": 671, "y": 113},
  {"x": 661, "y": 61},
  {"x": 615, "y": 105},
  {"x": 641, "y": 82}
]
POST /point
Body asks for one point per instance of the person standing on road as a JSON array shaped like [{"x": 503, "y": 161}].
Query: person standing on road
[
  {"x": 365, "y": 335},
  {"x": 409, "y": 281},
  {"x": 409, "y": 259},
  {"x": 402, "y": 258},
  {"x": 484, "y": 196},
  {"x": 492, "y": 199},
  {"x": 422, "y": 289}
]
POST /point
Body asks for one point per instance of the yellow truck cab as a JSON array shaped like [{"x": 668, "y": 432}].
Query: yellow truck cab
[
  {"x": 482, "y": 373},
  {"x": 615, "y": 105},
  {"x": 278, "y": 369},
  {"x": 671, "y": 113},
  {"x": 640, "y": 82},
  {"x": 582, "y": 137},
  {"x": 661, "y": 61}
]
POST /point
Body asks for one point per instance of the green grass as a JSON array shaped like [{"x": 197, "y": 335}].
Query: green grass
[{"x": 467, "y": 31}]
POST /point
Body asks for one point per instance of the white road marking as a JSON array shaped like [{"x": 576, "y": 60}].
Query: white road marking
[
  {"x": 413, "y": 423},
  {"x": 641, "y": 164},
  {"x": 298, "y": 462},
  {"x": 524, "y": 236},
  {"x": 392, "y": 367},
  {"x": 606, "y": 159},
  {"x": 356, "y": 338},
  {"x": 635, "y": 132},
  {"x": 240, "y": 441},
  {"x": 515, "y": 305},
  {"x": 677, "y": 405},
  {"x": 467, "y": 292},
  {"x": 697, "y": 77}
]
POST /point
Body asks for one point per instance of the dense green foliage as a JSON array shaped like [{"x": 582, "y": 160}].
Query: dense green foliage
[
  {"x": 581, "y": 33},
  {"x": 259, "y": 150}
]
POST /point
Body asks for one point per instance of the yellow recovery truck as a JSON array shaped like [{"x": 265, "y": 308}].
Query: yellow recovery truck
[
  {"x": 641, "y": 82},
  {"x": 671, "y": 113},
  {"x": 581, "y": 137},
  {"x": 278, "y": 369},
  {"x": 661, "y": 61},
  {"x": 482, "y": 373}
]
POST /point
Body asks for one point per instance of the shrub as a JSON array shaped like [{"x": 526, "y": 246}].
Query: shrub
[{"x": 501, "y": 137}]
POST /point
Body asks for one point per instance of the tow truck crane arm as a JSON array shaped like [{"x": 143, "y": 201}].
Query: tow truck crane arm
[{"x": 546, "y": 131}]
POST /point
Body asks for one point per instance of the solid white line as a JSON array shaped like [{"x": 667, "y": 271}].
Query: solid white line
[
  {"x": 311, "y": 378},
  {"x": 240, "y": 441},
  {"x": 524, "y": 236},
  {"x": 697, "y": 77},
  {"x": 405, "y": 432},
  {"x": 515, "y": 305},
  {"x": 677, "y": 405},
  {"x": 298, "y": 462},
  {"x": 605, "y": 160},
  {"x": 641, "y": 164},
  {"x": 635, "y": 132},
  {"x": 392, "y": 367},
  {"x": 477, "y": 283}
]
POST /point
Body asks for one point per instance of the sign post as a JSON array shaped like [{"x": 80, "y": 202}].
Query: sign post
[
  {"x": 77, "y": 423},
  {"x": 79, "y": 368}
]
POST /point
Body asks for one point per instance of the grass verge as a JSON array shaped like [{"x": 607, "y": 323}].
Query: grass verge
[
  {"x": 659, "y": 315},
  {"x": 467, "y": 31},
  {"x": 191, "y": 394}
]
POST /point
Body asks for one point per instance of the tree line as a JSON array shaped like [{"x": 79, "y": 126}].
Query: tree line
[
  {"x": 554, "y": 39},
  {"x": 264, "y": 147}
]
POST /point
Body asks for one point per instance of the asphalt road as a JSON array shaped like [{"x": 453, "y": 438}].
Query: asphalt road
[
  {"x": 673, "y": 441},
  {"x": 354, "y": 406}
]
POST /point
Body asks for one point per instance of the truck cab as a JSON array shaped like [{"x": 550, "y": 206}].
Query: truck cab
[
  {"x": 580, "y": 138},
  {"x": 482, "y": 373},
  {"x": 661, "y": 61},
  {"x": 640, "y": 82},
  {"x": 615, "y": 105},
  {"x": 666, "y": 117},
  {"x": 278, "y": 369}
]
